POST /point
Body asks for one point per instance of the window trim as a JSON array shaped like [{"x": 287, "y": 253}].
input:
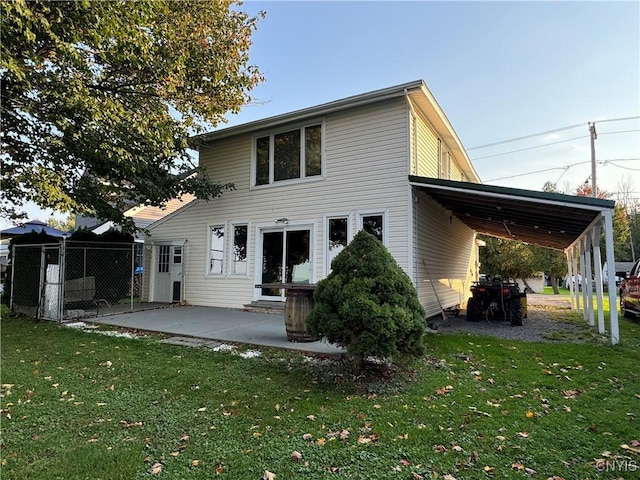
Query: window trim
[
  {"x": 327, "y": 218},
  {"x": 208, "y": 272},
  {"x": 232, "y": 227},
  {"x": 444, "y": 167},
  {"x": 303, "y": 164},
  {"x": 385, "y": 222},
  {"x": 174, "y": 254}
]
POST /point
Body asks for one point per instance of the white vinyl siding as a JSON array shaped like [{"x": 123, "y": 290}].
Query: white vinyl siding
[
  {"x": 427, "y": 149},
  {"x": 365, "y": 170},
  {"x": 445, "y": 260}
]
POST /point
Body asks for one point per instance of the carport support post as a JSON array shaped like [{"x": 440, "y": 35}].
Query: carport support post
[
  {"x": 583, "y": 263},
  {"x": 576, "y": 253},
  {"x": 571, "y": 273},
  {"x": 597, "y": 265},
  {"x": 587, "y": 282},
  {"x": 611, "y": 268}
]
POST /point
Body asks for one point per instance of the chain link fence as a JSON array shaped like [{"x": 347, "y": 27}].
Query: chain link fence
[{"x": 76, "y": 279}]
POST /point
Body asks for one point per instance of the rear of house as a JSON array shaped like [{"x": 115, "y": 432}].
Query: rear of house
[{"x": 305, "y": 183}]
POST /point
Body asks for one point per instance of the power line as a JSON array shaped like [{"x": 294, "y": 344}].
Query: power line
[
  {"x": 529, "y": 136},
  {"x": 620, "y": 131},
  {"x": 566, "y": 167},
  {"x": 552, "y": 143},
  {"x": 616, "y": 119},
  {"x": 624, "y": 168},
  {"x": 569, "y": 127},
  {"x": 530, "y": 148}
]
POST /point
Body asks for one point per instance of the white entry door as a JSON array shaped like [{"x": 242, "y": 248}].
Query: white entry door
[{"x": 168, "y": 274}]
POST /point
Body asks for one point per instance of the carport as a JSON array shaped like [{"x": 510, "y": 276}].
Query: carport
[{"x": 564, "y": 222}]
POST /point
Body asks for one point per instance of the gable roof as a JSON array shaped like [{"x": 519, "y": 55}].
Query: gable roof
[{"x": 415, "y": 91}]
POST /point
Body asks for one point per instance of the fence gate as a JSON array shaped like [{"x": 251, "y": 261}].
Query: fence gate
[{"x": 36, "y": 280}]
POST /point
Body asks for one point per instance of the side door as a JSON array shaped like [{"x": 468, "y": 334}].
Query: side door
[{"x": 176, "y": 273}]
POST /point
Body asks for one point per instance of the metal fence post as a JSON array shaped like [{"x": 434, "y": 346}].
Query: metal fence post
[
  {"x": 62, "y": 260},
  {"x": 43, "y": 261},
  {"x": 13, "y": 273}
]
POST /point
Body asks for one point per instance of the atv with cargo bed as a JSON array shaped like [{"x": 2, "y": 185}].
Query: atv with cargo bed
[{"x": 495, "y": 300}]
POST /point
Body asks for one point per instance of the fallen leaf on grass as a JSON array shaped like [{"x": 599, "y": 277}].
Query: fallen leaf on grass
[
  {"x": 155, "y": 469},
  {"x": 296, "y": 456},
  {"x": 630, "y": 449},
  {"x": 523, "y": 434},
  {"x": 449, "y": 477},
  {"x": 174, "y": 454},
  {"x": 489, "y": 469},
  {"x": 219, "y": 469},
  {"x": 268, "y": 475},
  {"x": 195, "y": 463},
  {"x": 439, "y": 448},
  {"x": 307, "y": 437},
  {"x": 571, "y": 393}
]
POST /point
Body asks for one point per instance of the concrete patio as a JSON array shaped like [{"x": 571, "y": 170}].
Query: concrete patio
[{"x": 216, "y": 324}]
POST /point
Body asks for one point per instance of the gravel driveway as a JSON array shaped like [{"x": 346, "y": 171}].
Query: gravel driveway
[{"x": 543, "y": 323}]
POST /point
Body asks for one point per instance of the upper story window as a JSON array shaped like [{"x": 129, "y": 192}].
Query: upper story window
[
  {"x": 294, "y": 154},
  {"x": 444, "y": 163}
]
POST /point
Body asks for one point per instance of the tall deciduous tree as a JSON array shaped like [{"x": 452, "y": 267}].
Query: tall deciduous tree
[{"x": 99, "y": 98}]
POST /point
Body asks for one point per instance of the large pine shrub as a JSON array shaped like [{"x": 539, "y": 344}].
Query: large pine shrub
[{"x": 368, "y": 304}]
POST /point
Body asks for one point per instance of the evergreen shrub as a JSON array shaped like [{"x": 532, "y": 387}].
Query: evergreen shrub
[{"x": 368, "y": 304}]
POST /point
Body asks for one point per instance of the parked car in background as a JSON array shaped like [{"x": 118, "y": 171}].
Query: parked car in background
[{"x": 630, "y": 293}]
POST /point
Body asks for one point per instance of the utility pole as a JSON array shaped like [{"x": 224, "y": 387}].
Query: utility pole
[{"x": 593, "y": 135}]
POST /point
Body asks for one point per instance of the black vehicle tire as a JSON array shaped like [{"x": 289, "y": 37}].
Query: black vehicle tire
[
  {"x": 515, "y": 311},
  {"x": 474, "y": 310}
]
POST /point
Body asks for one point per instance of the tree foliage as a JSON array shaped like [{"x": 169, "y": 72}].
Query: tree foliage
[
  {"x": 368, "y": 304},
  {"x": 99, "y": 98}
]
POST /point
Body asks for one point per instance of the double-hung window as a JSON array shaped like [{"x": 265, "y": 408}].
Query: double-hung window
[
  {"x": 216, "y": 250},
  {"x": 373, "y": 223},
  {"x": 290, "y": 155},
  {"x": 239, "y": 250},
  {"x": 337, "y": 238}
]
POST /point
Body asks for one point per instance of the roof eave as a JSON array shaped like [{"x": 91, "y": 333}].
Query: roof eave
[{"x": 299, "y": 115}]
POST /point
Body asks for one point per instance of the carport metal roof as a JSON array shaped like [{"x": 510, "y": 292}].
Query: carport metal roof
[{"x": 549, "y": 219}]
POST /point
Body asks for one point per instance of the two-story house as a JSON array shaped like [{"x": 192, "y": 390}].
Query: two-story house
[{"x": 305, "y": 183}]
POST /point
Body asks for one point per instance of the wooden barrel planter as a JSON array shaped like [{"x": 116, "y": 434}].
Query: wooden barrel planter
[{"x": 296, "y": 310}]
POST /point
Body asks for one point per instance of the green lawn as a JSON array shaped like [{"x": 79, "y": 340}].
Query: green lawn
[{"x": 79, "y": 405}]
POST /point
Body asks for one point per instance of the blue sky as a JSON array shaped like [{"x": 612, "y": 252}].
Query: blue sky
[{"x": 499, "y": 70}]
